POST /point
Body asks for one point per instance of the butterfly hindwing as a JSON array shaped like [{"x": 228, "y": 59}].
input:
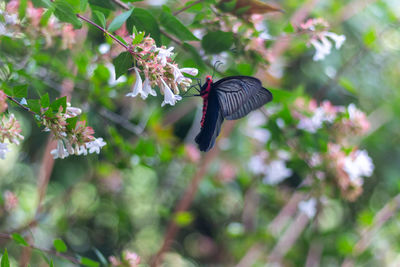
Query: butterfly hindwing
[
  {"x": 212, "y": 124},
  {"x": 233, "y": 92}
]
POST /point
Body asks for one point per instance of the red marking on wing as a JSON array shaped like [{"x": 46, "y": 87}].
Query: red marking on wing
[{"x": 205, "y": 102}]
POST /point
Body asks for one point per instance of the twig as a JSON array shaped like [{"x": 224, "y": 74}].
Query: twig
[
  {"x": 187, "y": 7},
  {"x": 189, "y": 195},
  {"x": 387, "y": 212},
  {"x": 21, "y": 106},
  {"x": 48, "y": 251},
  {"x": 289, "y": 238},
  {"x": 105, "y": 31}
]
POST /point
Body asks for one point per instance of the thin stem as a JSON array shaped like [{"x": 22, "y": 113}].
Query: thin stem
[
  {"x": 187, "y": 7},
  {"x": 20, "y": 105},
  {"x": 105, "y": 31}
]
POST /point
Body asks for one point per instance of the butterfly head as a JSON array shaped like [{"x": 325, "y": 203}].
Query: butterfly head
[{"x": 208, "y": 79}]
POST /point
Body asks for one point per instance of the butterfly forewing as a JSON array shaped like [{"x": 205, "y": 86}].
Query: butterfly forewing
[
  {"x": 256, "y": 100},
  {"x": 233, "y": 92}
]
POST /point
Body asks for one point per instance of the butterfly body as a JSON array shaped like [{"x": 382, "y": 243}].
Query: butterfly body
[{"x": 230, "y": 98}]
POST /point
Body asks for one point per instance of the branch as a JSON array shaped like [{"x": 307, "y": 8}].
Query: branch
[
  {"x": 105, "y": 31},
  {"x": 187, "y": 7},
  {"x": 189, "y": 195}
]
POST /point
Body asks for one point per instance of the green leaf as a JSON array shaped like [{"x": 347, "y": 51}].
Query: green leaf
[
  {"x": 348, "y": 85},
  {"x": 46, "y": 16},
  {"x": 58, "y": 244},
  {"x": 217, "y": 41},
  {"x": 119, "y": 20},
  {"x": 183, "y": 218},
  {"x": 22, "y": 8},
  {"x": 175, "y": 27},
  {"x": 143, "y": 20},
  {"x": 51, "y": 263},
  {"x": 70, "y": 126},
  {"x": 138, "y": 37},
  {"x": 19, "y": 239},
  {"x": 289, "y": 28},
  {"x": 42, "y": 3},
  {"x": 61, "y": 102},
  {"x": 45, "y": 101},
  {"x": 99, "y": 18},
  {"x": 65, "y": 12},
  {"x": 100, "y": 256},
  {"x": 122, "y": 63},
  {"x": 89, "y": 262},
  {"x": 228, "y": 6},
  {"x": 34, "y": 105},
  {"x": 195, "y": 55},
  {"x": 107, "y": 4},
  {"x": 20, "y": 90},
  {"x": 4, "y": 260},
  {"x": 83, "y": 5},
  {"x": 370, "y": 37},
  {"x": 122, "y": 40}
]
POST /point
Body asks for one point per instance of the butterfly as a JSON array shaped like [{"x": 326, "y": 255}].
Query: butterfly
[{"x": 230, "y": 98}]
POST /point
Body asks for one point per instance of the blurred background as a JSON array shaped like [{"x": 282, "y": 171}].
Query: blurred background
[{"x": 311, "y": 179}]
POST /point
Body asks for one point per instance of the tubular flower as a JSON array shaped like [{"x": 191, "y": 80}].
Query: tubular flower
[{"x": 158, "y": 69}]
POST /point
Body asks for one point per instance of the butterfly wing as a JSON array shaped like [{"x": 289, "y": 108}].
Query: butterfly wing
[
  {"x": 212, "y": 124},
  {"x": 238, "y": 95},
  {"x": 256, "y": 100}
]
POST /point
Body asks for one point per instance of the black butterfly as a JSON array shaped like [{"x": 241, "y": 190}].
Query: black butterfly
[{"x": 230, "y": 98}]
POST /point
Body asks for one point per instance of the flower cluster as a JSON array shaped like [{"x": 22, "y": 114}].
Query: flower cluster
[
  {"x": 335, "y": 160},
  {"x": 10, "y": 200},
  {"x": 75, "y": 139},
  {"x": 3, "y": 102},
  {"x": 129, "y": 259},
  {"x": 319, "y": 37},
  {"x": 11, "y": 26},
  {"x": 272, "y": 168},
  {"x": 160, "y": 70},
  {"x": 10, "y": 130}
]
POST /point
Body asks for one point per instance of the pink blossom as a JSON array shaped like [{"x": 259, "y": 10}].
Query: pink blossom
[
  {"x": 192, "y": 153},
  {"x": 10, "y": 200},
  {"x": 3, "y": 103}
]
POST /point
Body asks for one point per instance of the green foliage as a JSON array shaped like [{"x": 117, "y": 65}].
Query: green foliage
[
  {"x": 19, "y": 239},
  {"x": 174, "y": 26},
  {"x": 60, "y": 246},
  {"x": 4, "y": 259},
  {"x": 217, "y": 41},
  {"x": 119, "y": 20},
  {"x": 65, "y": 12},
  {"x": 122, "y": 63},
  {"x": 143, "y": 20}
]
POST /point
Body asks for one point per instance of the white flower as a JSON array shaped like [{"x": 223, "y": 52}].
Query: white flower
[
  {"x": 357, "y": 165},
  {"x": 338, "y": 39},
  {"x": 81, "y": 151},
  {"x": 96, "y": 145},
  {"x": 323, "y": 46},
  {"x": 3, "y": 150},
  {"x": 257, "y": 164},
  {"x": 169, "y": 97},
  {"x": 254, "y": 123},
  {"x": 11, "y": 19},
  {"x": 308, "y": 207},
  {"x": 147, "y": 90},
  {"x": 163, "y": 54},
  {"x": 321, "y": 51},
  {"x": 72, "y": 111},
  {"x": 178, "y": 76},
  {"x": 60, "y": 151},
  {"x": 190, "y": 71},
  {"x": 104, "y": 48},
  {"x": 138, "y": 86},
  {"x": 315, "y": 122},
  {"x": 23, "y": 101},
  {"x": 276, "y": 171}
]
